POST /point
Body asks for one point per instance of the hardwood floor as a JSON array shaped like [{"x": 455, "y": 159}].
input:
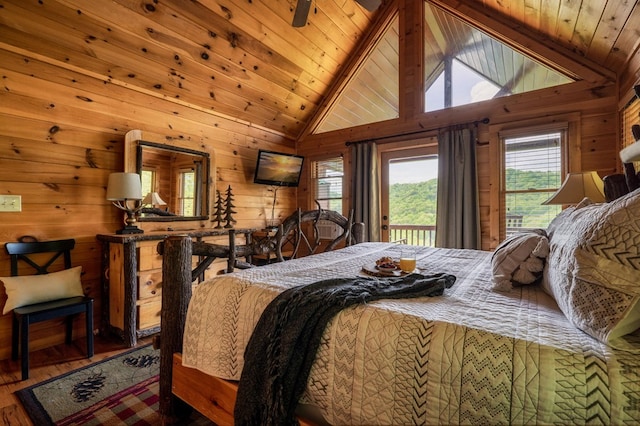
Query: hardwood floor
[{"x": 45, "y": 364}]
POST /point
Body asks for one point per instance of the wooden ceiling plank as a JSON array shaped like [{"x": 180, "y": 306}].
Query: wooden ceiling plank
[
  {"x": 549, "y": 11},
  {"x": 587, "y": 20},
  {"x": 177, "y": 89},
  {"x": 626, "y": 45},
  {"x": 93, "y": 87},
  {"x": 104, "y": 51},
  {"x": 357, "y": 18},
  {"x": 532, "y": 13},
  {"x": 276, "y": 69},
  {"x": 567, "y": 19},
  {"x": 607, "y": 32},
  {"x": 265, "y": 24},
  {"x": 331, "y": 21},
  {"x": 79, "y": 103}
]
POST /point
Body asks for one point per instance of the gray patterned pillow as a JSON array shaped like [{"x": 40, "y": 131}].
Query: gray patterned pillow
[{"x": 593, "y": 269}]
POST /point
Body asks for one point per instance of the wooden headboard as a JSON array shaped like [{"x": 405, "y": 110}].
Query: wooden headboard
[{"x": 617, "y": 185}]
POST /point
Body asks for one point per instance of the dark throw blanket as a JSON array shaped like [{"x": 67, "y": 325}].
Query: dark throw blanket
[{"x": 283, "y": 346}]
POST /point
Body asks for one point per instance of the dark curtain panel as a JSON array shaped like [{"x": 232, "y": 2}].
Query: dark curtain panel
[
  {"x": 458, "y": 213},
  {"x": 365, "y": 192}
]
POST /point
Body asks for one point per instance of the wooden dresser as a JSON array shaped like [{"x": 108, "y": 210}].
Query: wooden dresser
[{"x": 132, "y": 279}]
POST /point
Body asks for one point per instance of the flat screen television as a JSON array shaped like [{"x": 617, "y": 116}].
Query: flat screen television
[{"x": 276, "y": 168}]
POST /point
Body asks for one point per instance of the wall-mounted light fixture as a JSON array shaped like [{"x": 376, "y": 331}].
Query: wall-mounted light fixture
[{"x": 125, "y": 190}]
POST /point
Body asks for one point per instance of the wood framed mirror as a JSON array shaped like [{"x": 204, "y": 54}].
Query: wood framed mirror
[{"x": 176, "y": 180}]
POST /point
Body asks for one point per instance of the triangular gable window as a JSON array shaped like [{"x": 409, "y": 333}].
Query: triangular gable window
[
  {"x": 463, "y": 65},
  {"x": 372, "y": 93}
]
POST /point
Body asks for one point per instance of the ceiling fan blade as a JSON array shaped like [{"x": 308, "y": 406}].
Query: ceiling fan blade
[
  {"x": 301, "y": 13},
  {"x": 370, "y": 5}
]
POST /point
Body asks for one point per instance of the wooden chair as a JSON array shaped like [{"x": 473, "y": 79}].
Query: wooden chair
[
  {"x": 24, "y": 316},
  {"x": 300, "y": 232}
]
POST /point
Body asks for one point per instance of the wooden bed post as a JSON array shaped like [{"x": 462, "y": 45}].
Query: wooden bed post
[{"x": 176, "y": 293}]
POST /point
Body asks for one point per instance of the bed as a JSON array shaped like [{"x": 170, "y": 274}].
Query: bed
[{"x": 543, "y": 330}]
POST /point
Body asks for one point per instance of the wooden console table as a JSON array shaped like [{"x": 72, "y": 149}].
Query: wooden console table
[{"x": 132, "y": 280}]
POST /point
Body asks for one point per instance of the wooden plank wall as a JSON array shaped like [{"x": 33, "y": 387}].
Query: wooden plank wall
[{"x": 62, "y": 134}]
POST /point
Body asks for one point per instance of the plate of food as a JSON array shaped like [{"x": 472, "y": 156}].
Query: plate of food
[{"x": 386, "y": 264}]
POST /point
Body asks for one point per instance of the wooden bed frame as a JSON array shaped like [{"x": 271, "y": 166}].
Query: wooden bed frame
[{"x": 212, "y": 396}]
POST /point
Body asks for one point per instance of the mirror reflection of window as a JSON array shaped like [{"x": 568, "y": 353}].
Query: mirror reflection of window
[
  {"x": 179, "y": 176},
  {"x": 148, "y": 178},
  {"x": 187, "y": 192}
]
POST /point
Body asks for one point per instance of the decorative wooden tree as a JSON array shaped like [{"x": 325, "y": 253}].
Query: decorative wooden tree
[
  {"x": 218, "y": 213},
  {"x": 228, "y": 209}
]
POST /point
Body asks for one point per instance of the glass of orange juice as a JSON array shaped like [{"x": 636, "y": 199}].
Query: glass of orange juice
[{"x": 408, "y": 260}]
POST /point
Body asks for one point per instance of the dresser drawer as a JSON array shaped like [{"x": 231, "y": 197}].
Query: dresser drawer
[
  {"x": 149, "y": 313},
  {"x": 148, "y": 257},
  {"x": 149, "y": 284}
]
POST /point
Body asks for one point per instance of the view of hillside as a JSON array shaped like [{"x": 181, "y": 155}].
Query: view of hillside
[{"x": 415, "y": 203}]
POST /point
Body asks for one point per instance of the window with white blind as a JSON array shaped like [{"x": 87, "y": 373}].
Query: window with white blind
[
  {"x": 532, "y": 173},
  {"x": 328, "y": 175}
]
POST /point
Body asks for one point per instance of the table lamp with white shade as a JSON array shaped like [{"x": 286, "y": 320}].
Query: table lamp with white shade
[{"x": 125, "y": 191}]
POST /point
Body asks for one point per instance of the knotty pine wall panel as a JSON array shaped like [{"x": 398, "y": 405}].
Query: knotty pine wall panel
[{"x": 62, "y": 134}]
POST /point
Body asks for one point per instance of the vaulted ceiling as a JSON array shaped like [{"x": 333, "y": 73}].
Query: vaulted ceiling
[{"x": 243, "y": 59}]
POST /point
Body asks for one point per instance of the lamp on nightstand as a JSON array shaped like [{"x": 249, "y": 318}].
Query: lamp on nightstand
[
  {"x": 123, "y": 189},
  {"x": 577, "y": 186}
]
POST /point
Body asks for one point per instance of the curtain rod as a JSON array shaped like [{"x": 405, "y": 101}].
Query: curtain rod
[{"x": 475, "y": 123}]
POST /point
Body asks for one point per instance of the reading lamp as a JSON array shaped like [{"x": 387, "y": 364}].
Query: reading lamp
[
  {"x": 122, "y": 189},
  {"x": 577, "y": 186}
]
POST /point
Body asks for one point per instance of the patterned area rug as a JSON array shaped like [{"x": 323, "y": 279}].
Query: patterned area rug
[{"x": 121, "y": 390}]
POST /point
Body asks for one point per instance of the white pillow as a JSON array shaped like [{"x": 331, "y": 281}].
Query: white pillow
[
  {"x": 519, "y": 260},
  {"x": 29, "y": 289},
  {"x": 593, "y": 270}
]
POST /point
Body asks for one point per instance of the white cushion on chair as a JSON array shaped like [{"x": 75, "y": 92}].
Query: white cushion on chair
[{"x": 29, "y": 289}]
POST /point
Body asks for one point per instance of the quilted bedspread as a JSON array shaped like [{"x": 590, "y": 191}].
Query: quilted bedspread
[{"x": 472, "y": 356}]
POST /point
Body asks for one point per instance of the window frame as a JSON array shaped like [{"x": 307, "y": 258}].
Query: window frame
[
  {"x": 153, "y": 180},
  {"x": 526, "y": 131},
  {"x": 181, "y": 190},
  {"x": 313, "y": 179},
  {"x": 491, "y": 184}
]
